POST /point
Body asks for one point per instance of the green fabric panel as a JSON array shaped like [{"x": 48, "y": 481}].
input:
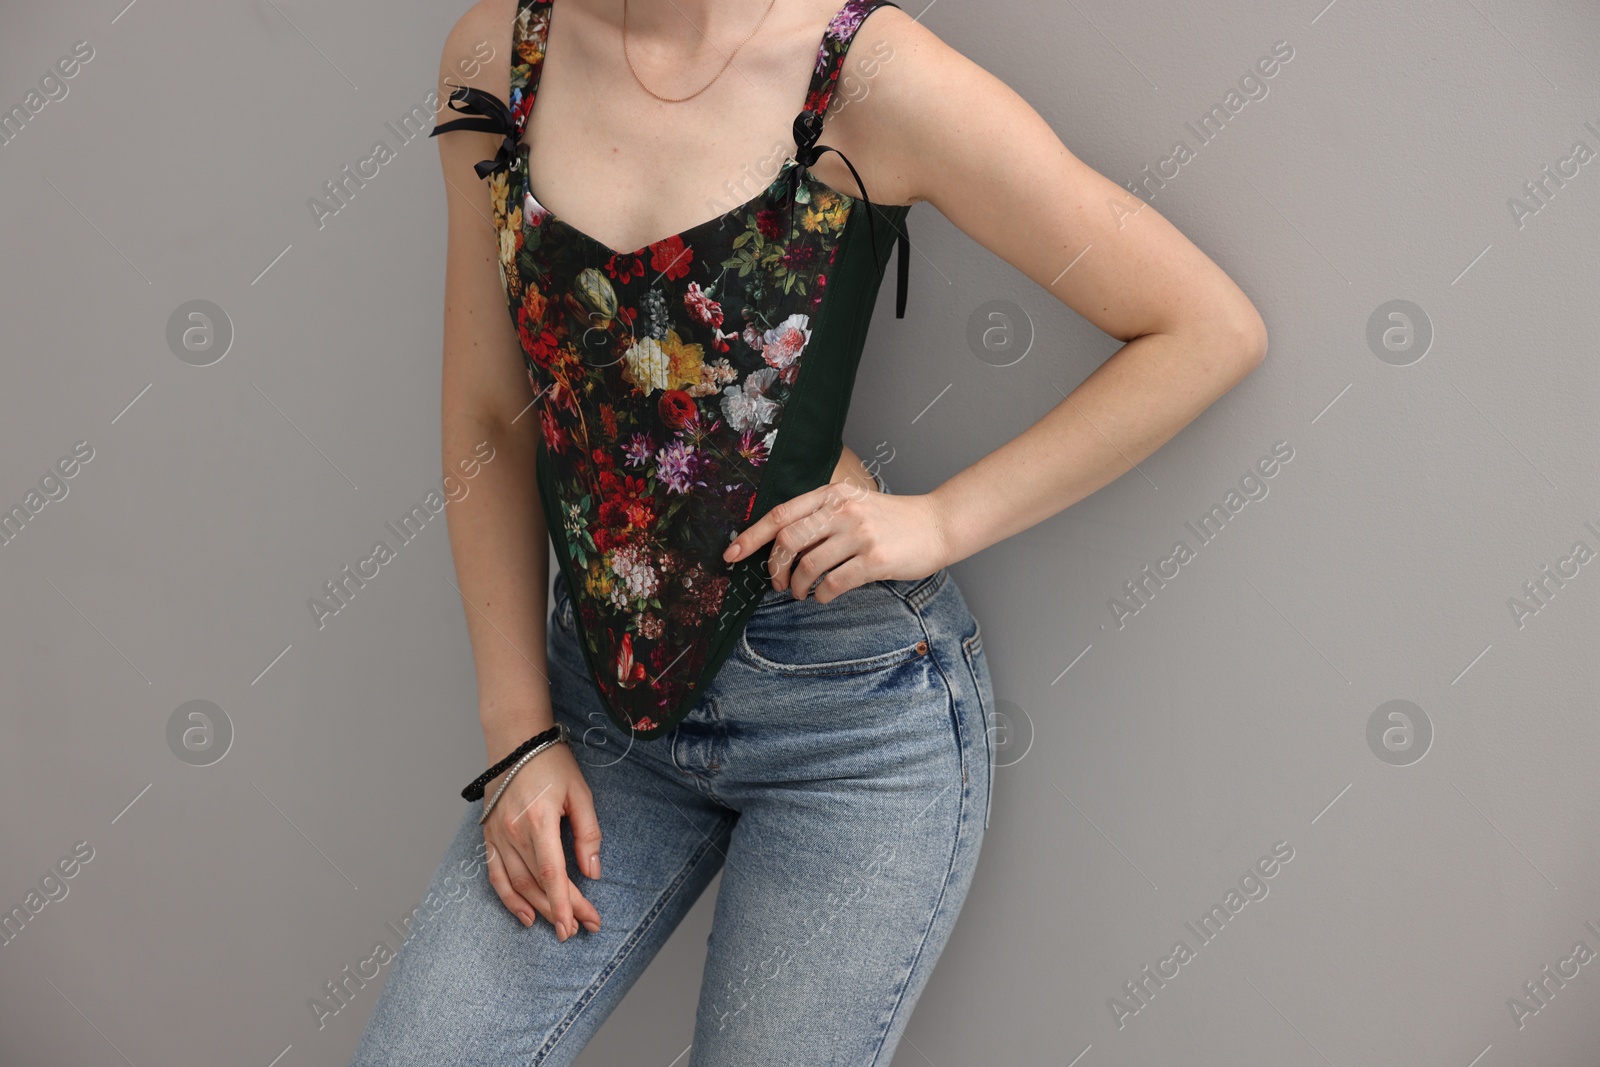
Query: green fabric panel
[{"x": 811, "y": 434}]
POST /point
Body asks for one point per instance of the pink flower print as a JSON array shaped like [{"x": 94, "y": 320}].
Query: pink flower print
[
  {"x": 636, "y": 453},
  {"x": 703, "y": 309},
  {"x": 533, "y": 212},
  {"x": 782, "y": 346},
  {"x": 751, "y": 449}
]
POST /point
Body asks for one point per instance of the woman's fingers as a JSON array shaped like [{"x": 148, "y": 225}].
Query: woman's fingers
[
  {"x": 525, "y": 880},
  {"x": 536, "y": 859},
  {"x": 840, "y": 577},
  {"x": 585, "y": 832},
  {"x": 828, "y": 555},
  {"x": 500, "y": 882},
  {"x": 528, "y": 867},
  {"x": 586, "y": 914},
  {"x": 526, "y": 887},
  {"x": 776, "y": 518},
  {"x": 549, "y": 865},
  {"x": 818, "y": 540}
]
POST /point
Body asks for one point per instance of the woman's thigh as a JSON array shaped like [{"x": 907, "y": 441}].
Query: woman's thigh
[
  {"x": 856, "y": 750},
  {"x": 472, "y": 985}
]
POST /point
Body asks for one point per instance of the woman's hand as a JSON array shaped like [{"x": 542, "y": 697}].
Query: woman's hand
[
  {"x": 527, "y": 865},
  {"x": 856, "y": 535}
]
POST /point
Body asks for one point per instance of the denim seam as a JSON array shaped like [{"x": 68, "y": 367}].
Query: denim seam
[
  {"x": 842, "y": 668},
  {"x": 924, "y": 591},
  {"x": 562, "y": 1028},
  {"x": 955, "y": 849},
  {"x": 971, "y": 648}
]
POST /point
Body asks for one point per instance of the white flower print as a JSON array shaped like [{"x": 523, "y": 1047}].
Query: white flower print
[
  {"x": 631, "y": 565},
  {"x": 783, "y": 345},
  {"x": 647, "y": 365},
  {"x": 746, "y": 406}
]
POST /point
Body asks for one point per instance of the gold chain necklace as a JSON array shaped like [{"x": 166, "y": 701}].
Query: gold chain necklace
[{"x": 707, "y": 85}]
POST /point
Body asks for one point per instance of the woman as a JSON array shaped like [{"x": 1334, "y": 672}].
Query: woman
[{"x": 757, "y": 652}]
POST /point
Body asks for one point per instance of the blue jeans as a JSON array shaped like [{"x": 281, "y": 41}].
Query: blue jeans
[{"x": 837, "y": 773}]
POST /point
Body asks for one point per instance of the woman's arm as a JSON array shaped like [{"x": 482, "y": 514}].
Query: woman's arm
[
  {"x": 935, "y": 126},
  {"x": 497, "y": 534},
  {"x": 498, "y": 531}
]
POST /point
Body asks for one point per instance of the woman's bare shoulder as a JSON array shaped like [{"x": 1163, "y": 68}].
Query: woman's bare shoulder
[
  {"x": 896, "y": 69},
  {"x": 477, "y": 50}
]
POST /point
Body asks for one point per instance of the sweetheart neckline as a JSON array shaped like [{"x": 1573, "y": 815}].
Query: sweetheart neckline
[{"x": 525, "y": 153}]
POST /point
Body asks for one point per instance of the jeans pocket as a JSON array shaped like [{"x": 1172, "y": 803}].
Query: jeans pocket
[{"x": 864, "y": 630}]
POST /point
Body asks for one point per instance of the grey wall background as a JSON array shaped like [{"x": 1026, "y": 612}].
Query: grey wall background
[{"x": 1147, "y": 765}]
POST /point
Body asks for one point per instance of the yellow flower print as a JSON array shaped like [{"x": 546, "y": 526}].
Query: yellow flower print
[
  {"x": 508, "y": 247},
  {"x": 826, "y": 213},
  {"x": 596, "y": 581},
  {"x": 530, "y": 35},
  {"x": 535, "y": 303},
  {"x": 683, "y": 361}
]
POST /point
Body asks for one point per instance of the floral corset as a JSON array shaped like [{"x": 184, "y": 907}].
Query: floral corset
[{"x": 664, "y": 375}]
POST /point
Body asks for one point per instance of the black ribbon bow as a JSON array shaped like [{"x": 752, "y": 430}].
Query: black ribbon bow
[
  {"x": 807, "y": 129},
  {"x": 488, "y": 114}
]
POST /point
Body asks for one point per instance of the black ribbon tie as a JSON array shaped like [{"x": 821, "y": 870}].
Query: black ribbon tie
[{"x": 487, "y": 114}]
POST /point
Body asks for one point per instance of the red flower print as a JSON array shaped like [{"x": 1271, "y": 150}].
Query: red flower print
[
  {"x": 671, "y": 257},
  {"x": 559, "y": 395},
  {"x": 641, "y": 515},
  {"x": 703, "y": 309},
  {"x": 523, "y": 109},
  {"x": 767, "y": 223},
  {"x": 608, "y": 417},
  {"x": 629, "y": 673},
  {"x": 625, "y": 268},
  {"x": 796, "y": 258},
  {"x": 555, "y": 435},
  {"x": 819, "y": 287},
  {"x": 616, "y": 484},
  {"x": 539, "y": 344},
  {"x": 677, "y": 408},
  {"x": 664, "y": 657}
]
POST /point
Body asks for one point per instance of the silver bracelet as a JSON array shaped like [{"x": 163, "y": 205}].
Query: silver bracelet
[{"x": 563, "y": 737}]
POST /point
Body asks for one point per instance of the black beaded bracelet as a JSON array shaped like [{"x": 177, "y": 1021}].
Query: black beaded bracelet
[{"x": 474, "y": 791}]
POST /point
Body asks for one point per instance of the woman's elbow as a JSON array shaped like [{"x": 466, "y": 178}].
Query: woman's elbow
[{"x": 1247, "y": 335}]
